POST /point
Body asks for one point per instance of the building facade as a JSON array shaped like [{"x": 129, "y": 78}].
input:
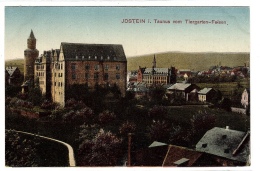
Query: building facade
[
  {"x": 154, "y": 75},
  {"x": 87, "y": 64},
  {"x": 74, "y": 64}
]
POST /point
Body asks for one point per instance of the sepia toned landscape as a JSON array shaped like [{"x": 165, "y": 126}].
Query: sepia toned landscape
[{"x": 103, "y": 102}]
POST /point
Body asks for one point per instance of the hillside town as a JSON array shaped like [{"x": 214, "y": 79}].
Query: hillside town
[{"x": 83, "y": 95}]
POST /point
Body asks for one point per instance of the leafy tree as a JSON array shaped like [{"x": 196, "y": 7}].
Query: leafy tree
[
  {"x": 156, "y": 93},
  {"x": 226, "y": 104},
  {"x": 202, "y": 122},
  {"x": 180, "y": 136},
  {"x": 20, "y": 152},
  {"x": 159, "y": 131},
  {"x": 157, "y": 112},
  {"x": 74, "y": 105},
  {"x": 12, "y": 90},
  {"x": 106, "y": 117},
  {"x": 216, "y": 98},
  {"x": 116, "y": 91},
  {"x": 103, "y": 150},
  {"x": 46, "y": 104},
  {"x": 127, "y": 127},
  {"x": 35, "y": 94}
]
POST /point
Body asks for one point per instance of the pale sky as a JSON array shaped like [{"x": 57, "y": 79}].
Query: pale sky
[{"x": 103, "y": 25}]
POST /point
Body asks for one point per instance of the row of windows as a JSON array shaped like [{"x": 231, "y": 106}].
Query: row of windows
[
  {"x": 95, "y": 57},
  {"x": 59, "y": 84},
  {"x": 59, "y": 74},
  {"x": 96, "y": 76},
  {"x": 39, "y": 67},
  {"x": 39, "y": 74},
  {"x": 96, "y": 67},
  {"x": 58, "y": 66}
]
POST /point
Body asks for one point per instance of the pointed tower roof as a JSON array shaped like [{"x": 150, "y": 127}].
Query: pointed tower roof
[
  {"x": 31, "y": 35},
  {"x": 154, "y": 62}
]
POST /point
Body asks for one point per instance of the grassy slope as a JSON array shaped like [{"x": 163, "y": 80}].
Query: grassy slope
[{"x": 196, "y": 61}]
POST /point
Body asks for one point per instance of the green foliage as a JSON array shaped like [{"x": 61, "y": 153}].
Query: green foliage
[
  {"x": 157, "y": 112},
  {"x": 35, "y": 95},
  {"x": 127, "y": 127},
  {"x": 106, "y": 117},
  {"x": 12, "y": 90},
  {"x": 103, "y": 150},
  {"x": 202, "y": 122},
  {"x": 20, "y": 152},
  {"x": 159, "y": 131},
  {"x": 156, "y": 93},
  {"x": 226, "y": 104}
]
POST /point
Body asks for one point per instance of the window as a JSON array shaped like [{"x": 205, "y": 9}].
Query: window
[
  {"x": 96, "y": 67},
  {"x": 117, "y": 76},
  {"x": 73, "y": 66},
  {"x": 73, "y": 76},
  {"x": 106, "y": 76},
  {"x": 117, "y": 67},
  {"x": 87, "y": 67},
  {"x": 106, "y": 67},
  {"x": 96, "y": 76},
  {"x": 86, "y": 75}
]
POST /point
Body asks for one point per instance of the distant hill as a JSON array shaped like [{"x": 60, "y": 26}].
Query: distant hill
[
  {"x": 193, "y": 61},
  {"x": 180, "y": 60},
  {"x": 15, "y": 62}
]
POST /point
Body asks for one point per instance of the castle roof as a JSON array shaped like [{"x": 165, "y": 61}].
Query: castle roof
[
  {"x": 156, "y": 71},
  {"x": 31, "y": 35},
  {"x": 99, "y": 52}
]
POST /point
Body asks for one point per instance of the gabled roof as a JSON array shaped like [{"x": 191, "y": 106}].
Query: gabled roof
[
  {"x": 156, "y": 71},
  {"x": 205, "y": 91},
  {"x": 179, "y": 86},
  {"x": 98, "y": 52},
  {"x": 230, "y": 144},
  {"x": 10, "y": 70},
  {"x": 177, "y": 155},
  {"x": 156, "y": 144}
]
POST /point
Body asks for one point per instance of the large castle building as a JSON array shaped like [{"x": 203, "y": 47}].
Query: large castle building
[{"x": 80, "y": 64}]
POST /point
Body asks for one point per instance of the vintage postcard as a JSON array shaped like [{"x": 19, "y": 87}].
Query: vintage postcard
[{"x": 127, "y": 86}]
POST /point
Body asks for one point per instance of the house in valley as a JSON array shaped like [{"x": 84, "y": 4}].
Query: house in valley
[
  {"x": 182, "y": 90},
  {"x": 206, "y": 94}
]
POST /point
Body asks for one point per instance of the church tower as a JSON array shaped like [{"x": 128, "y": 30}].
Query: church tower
[
  {"x": 154, "y": 62},
  {"x": 30, "y": 54}
]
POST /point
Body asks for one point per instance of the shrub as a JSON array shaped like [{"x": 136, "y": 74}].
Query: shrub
[
  {"x": 106, "y": 117},
  {"x": 159, "y": 131},
  {"x": 48, "y": 105},
  {"x": 127, "y": 127},
  {"x": 157, "y": 112},
  {"x": 103, "y": 150}
]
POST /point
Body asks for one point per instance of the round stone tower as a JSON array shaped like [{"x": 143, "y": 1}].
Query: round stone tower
[{"x": 30, "y": 54}]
